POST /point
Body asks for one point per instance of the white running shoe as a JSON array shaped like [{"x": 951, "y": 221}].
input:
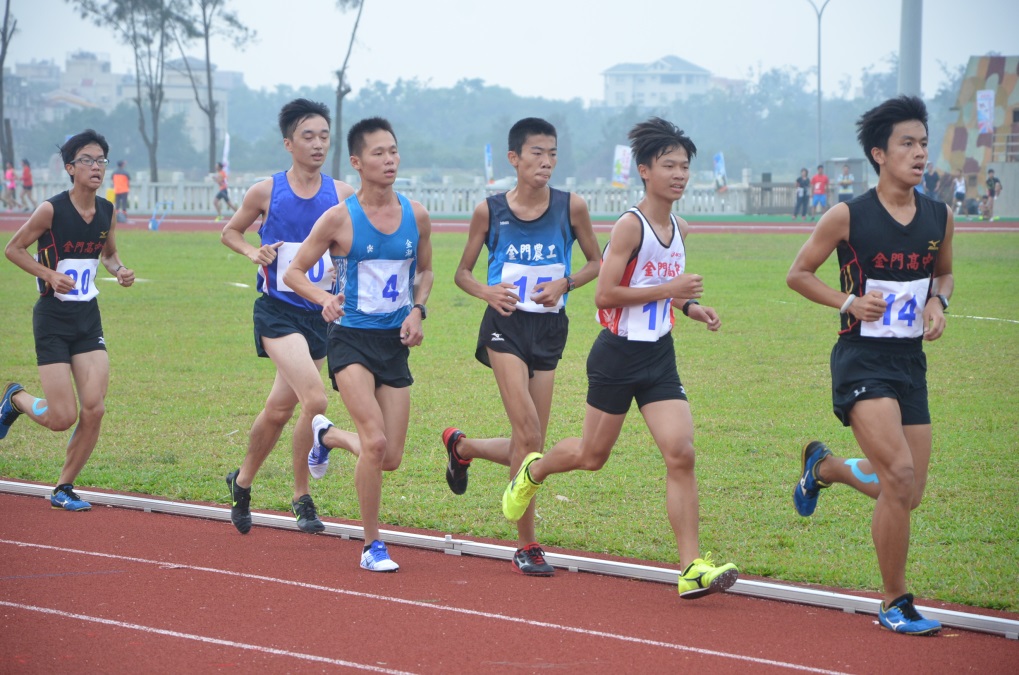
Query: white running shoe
[
  {"x": 318, "y": 458},
  {"x": 376, "y": 558}
]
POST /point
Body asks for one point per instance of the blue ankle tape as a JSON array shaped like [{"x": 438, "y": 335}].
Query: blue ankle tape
[
  {"x": 864, "y": 477},
  {"x": 35, "y": 406}
]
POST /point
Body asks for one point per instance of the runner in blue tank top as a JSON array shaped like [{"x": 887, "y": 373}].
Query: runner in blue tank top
[
  {"x": 382, "y": 244},
  {"x": 288, "y": 328},
  {"x": 75, "y": 235},
  {"x": 529, "y": 233},
  {"x": 895, "y": 254}
]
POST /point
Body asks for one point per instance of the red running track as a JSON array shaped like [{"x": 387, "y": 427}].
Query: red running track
[{"x": 124, "y": 591}]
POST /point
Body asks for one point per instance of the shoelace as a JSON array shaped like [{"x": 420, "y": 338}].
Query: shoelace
[
  {"x": 909, "y": 611},
  {"x": 71, "y": 494},
  {"x": 708, "y": 560},
  {"x": 306, "y": 510},
  {"x": 536, "y": 555}
]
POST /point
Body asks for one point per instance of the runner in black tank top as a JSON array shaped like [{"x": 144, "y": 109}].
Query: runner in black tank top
[{"x": 895, "y": 256}]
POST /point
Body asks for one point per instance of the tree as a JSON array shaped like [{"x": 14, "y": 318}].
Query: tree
[
  {"x": 6, "y": 33},
  {"x": 211, "y": 18},
  {"x": 148, "y": 27},
  {"x": 342, "y": 88}
]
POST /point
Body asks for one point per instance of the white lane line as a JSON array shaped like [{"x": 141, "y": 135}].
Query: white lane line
[
  {"x": 201, "y": 638},
  {"x": 435, "y": 607},
  {"x": 985, "y": 318}
]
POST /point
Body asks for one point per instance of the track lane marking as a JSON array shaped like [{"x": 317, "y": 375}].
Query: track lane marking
[
  {"x": 201, "y": 638},
  {"x": 436, "y": 607}
]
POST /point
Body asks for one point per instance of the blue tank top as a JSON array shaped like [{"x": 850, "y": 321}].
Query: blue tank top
[
  {"x": 290, "y": 219},
  {"x": 528, "y": 252},
  {"x": 377, "y": 275}
]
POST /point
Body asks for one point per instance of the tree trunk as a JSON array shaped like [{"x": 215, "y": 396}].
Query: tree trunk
[{"x": 211, "y": 111}]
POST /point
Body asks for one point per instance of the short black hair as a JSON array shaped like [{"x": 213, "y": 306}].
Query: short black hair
[
  {"x": 990, "y": 171},
  {"x": 874, "y": 127},
  {"x": 651, "y": 139},
  {"x": 75, "y": 143},
  {"x": 369, "y": 125},
  {"x": 297, "y": 111},
  {"x": 529, "y": 126}
]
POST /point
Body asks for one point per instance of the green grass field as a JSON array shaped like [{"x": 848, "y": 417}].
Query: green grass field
[{"x": 186, "y": 385}]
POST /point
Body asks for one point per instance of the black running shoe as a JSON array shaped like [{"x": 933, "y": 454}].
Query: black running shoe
[
  {"x": 530, "y": 561},
  {"x": 456, "y": 468},
  {"x": 240, "y": 503},
  {"x": 307, "y": 518}
]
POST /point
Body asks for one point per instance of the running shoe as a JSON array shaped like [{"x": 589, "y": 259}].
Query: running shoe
[
  {"x": 806, "y": 491},
  {"x": 307, "y": 517},
  {"x": 456, "y": 468},
  {"x": 520, "y": 491},
  {"x": 64, "y": 497},
  {"x": 376, "y": 558},
  {"x": 530, "y": 561},
  {"x": 318, "y": 458},
  {"x": 703, "y": 578},
  {"x": 240, "y": 503},
  {"x": 902, "y": 617},
  {"x": 8, "y": 413}
]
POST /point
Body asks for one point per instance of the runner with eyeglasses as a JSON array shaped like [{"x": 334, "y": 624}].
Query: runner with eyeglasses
[{"x": 74, "y": 234}]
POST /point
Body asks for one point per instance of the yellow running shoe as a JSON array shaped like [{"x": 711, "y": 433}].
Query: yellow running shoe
[
  {"x": 703, "y": 578},
  {"x": 520, "y": 491}
]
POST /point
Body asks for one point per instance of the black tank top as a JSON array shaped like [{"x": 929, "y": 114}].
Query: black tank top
[
  {"x": 70, "y": 236},
  {"x": 881, "y": 248}
]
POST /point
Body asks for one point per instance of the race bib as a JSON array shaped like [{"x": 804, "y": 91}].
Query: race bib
[
  {"x": 903, "y": 317},
  {"x": 319, "y": 274},
  {"x": 83, "y": 272},
  {"x": 526, "y": 277},
  {"x": 383, "y": 286},
  {"x": 650, "y": 322}
]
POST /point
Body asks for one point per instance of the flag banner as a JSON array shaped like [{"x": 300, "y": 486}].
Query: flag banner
[
  {"x": 226, "y": 152},
  {"x": 488, "y": 164},
  {"x": 985, "y": 111},
  {"x": 720, "y": 180},
  {"x": 621, "y": 167}
]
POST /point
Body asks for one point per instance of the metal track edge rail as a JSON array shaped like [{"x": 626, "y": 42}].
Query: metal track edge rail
[{"x": 1007, "y": 628}]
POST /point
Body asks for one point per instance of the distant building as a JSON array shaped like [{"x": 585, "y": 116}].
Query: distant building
[
  {"x": 40, "y": 93},
  {"x": 660, "y": 82}
]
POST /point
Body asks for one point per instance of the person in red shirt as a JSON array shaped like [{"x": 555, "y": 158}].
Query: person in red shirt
[
  {"x": 819, "y": 185},
  {"x": 223, "y": 194},
  {"x": 26, "y": 186}
]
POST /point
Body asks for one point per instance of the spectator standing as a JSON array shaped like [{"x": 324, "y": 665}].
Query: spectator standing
[
  {"x": 26, "y": 186},
  {"x": 802, "y": 194},
  {"x": 845, "y": 184},
  {"x": 121, "y": 188}
]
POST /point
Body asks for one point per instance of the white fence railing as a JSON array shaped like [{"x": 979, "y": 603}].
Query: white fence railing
[{"x": 196, "y": 198}]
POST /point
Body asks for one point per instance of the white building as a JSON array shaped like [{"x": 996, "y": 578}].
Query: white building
[{"x": 661, "y": 82}]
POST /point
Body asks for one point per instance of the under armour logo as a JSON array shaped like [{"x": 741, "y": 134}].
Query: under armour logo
[
  {"x": 497, "y": 337},
  {"x": 857, "y": 392}
]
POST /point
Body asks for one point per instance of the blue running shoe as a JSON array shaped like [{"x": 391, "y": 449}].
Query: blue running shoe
[
  {"x": 8, "y": 413},
  {"x": 902, "y": 617},
  {"x": 64, "y": 497},
  {"x": 806, "y": 491},
  {"x": 318, "y": 458},
  {"x": 376, "y": 558}
]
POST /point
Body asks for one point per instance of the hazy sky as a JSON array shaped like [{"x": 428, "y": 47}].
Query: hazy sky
[{"x": 553, "y": 48}]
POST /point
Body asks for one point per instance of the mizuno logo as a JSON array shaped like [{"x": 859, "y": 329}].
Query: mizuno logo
[{"x": 497, "y": 337}]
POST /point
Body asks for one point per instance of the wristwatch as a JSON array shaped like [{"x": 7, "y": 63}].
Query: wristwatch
[
  {"x": 424, "y": 310},
  {"x": 944, "y": 302}
]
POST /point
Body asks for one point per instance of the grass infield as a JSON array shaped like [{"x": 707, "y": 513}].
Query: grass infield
[{"x": 186, "y": 385}]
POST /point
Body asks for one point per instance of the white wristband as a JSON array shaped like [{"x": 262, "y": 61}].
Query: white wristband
[{"x": 845, "y": 305}]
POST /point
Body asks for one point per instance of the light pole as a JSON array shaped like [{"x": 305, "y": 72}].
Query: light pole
[{"x": 819, "y": 12}]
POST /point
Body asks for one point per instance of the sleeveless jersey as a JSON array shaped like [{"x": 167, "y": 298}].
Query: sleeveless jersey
[
  {"x": 897, "y": 260},
  {"x": 377, "y": 275},
  {"x": 290, "y": 219},
  {"x": 529, "y": 252},
  {"x": 653, "y": 264},
  {"x": 72, "y": 246}
]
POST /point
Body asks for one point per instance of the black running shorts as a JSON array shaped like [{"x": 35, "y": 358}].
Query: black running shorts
[
  {"x": 380, "y": 351},
  {"x": 865, "y": 370},
  {"x": 63, "y": 329},
  {"x": 621, "y": 370},
  {"x": 276, "y": 318},
  {"x": 537, "y": 339}
]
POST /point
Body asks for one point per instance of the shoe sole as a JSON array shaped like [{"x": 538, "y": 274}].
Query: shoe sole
[
  {"x": 550, "y": 573},
  {"x": 456, "y": 486},
  {"x": 56, "y": 507},
  {"x": 719, "y": 584}
]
